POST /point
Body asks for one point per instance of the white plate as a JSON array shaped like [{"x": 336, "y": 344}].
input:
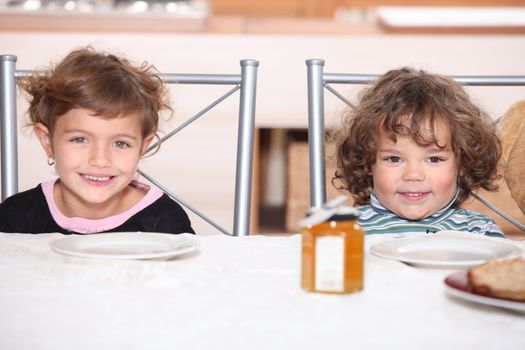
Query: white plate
[
  {"x": 126, "y": 245},
  {"x": 457, "y": 285},
  {"x": 445, "y": 251}
]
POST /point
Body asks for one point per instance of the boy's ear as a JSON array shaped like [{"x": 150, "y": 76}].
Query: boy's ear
[
  {"x": 147, "y": 141},
  {"x": 42, "y": 132}
]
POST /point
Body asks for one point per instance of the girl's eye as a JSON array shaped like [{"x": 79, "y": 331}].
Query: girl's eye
[
  {"x": 121, "y": 144},
  {"x": 79, "y": 139}
]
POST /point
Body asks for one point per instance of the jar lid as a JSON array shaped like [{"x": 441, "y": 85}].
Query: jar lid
[
  {"x": 329, "y": 212},
  {"x": 345, "y": 213}
]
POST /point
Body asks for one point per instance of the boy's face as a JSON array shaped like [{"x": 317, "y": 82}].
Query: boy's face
[
  {"x": 95, "y": 158},
  {"x": 414, "y": 181}
]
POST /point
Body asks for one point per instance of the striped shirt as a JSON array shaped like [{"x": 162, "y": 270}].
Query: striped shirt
[{"x": 376, "y": 219}]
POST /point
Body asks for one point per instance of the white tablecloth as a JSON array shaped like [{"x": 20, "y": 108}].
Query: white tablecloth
[{"x": 236, "y": 293}]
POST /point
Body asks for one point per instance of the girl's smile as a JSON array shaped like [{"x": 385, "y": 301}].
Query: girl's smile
[{"x": 97, "y": 180}]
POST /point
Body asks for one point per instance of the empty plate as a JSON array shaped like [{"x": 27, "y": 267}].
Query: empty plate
[
  {"x": 126, "y": 245},
  {"x": 445, "y": 251}
]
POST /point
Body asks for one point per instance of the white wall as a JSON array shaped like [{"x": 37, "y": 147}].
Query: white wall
[{"x": 205, "y": 178}]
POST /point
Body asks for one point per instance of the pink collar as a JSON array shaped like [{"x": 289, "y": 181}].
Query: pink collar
[{"x": 86, "y": 226}]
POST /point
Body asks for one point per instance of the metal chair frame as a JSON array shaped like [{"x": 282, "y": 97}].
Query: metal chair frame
[
  {"x": 246, "y": 82},
  {"x": 318, "y": 80}
]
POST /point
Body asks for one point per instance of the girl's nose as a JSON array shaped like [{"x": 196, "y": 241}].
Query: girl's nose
[
  {"x": 413, "y": 172},
  {"x": 100, "y": 156}
]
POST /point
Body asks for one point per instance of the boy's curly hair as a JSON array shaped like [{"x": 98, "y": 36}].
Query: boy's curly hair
[
  {"x": 402, "y": 102},
  {"x": 103, "y": 83}
]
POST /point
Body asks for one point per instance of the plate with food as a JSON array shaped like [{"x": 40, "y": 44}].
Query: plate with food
[
  {"x": 126, "y": 245},
  {"x": 499, "y": 282},
  {"x": 446, "y": 250}
]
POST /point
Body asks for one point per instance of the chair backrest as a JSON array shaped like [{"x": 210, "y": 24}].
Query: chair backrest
[
  {"x": 318, "y": 81},
  {"x": 246, "y": 82}
]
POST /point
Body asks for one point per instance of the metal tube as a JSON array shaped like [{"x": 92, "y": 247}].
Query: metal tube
[
  {"x": 183, "y": 202},
  {"x": 204, "y": 79},
  {"x": 316, "y": 133},
  {"x": 340, "y": 96},
  {"x": 490, "y": 80},
  {"x": 471, "y": 80},
  {"x": 341, "y": 78},
  {"x": 8, "y": 127},
  {"x": 173, "y": 78},
  {"x": 499, "y": 212},
  {"x": 192, "y": 119},
  {"x": 243, "y": 180}
]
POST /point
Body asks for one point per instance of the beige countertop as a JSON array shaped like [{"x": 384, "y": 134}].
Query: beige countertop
[{"x": 383, "y": 20}]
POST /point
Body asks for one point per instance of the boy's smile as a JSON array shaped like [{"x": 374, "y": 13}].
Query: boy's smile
[
  {"x": 415, "y": 181},
  {"x": 414, "y": 196}
]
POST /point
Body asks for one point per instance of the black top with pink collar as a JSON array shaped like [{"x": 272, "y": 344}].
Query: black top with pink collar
[{"x": 28, "y": 212}]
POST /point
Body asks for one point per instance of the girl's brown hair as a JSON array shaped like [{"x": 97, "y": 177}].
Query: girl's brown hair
[
  {"x": 103, "y": 83},
  {"x": 403, "y": 102}
]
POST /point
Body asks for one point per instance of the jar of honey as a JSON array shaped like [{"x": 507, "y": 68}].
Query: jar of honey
[{"x": 332, "y": 252}]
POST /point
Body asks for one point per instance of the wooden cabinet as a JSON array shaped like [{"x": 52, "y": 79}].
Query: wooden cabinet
[{"x": 276, "y": 8}]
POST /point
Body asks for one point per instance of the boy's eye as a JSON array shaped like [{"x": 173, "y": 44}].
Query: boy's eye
[
  {"x": 393, "y": 159},
  {"x": 121, "y": 144}
]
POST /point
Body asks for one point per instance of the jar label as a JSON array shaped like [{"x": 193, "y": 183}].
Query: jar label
[{"x": 329, "y": 264}]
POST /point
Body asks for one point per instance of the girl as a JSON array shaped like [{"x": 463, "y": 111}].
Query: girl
[
  {"x": 94, "y": 115},
  {"x": 413, "y": 150}
]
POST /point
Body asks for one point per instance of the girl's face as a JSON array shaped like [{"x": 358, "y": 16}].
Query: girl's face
[
  {"x": 414, "y": 181},
  {"x": 95, "y": 158}
]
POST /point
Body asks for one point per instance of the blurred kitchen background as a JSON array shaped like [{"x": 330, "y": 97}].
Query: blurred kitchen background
[
  {"x": 282, "y": 16},
  {"x": 189, "y": 8},
  {"x": 457, "y": 37}
]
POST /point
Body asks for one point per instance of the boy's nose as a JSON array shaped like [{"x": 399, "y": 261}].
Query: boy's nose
[{"x": 413, "y": 172}]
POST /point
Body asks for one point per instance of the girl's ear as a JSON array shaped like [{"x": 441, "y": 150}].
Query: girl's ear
[
  {"x": 147, "y": 141},
  {"x": 42, "y": 132}
]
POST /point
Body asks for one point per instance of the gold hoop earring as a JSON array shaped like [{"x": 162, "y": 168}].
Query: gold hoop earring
[{"x": 50, "y": 161}]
